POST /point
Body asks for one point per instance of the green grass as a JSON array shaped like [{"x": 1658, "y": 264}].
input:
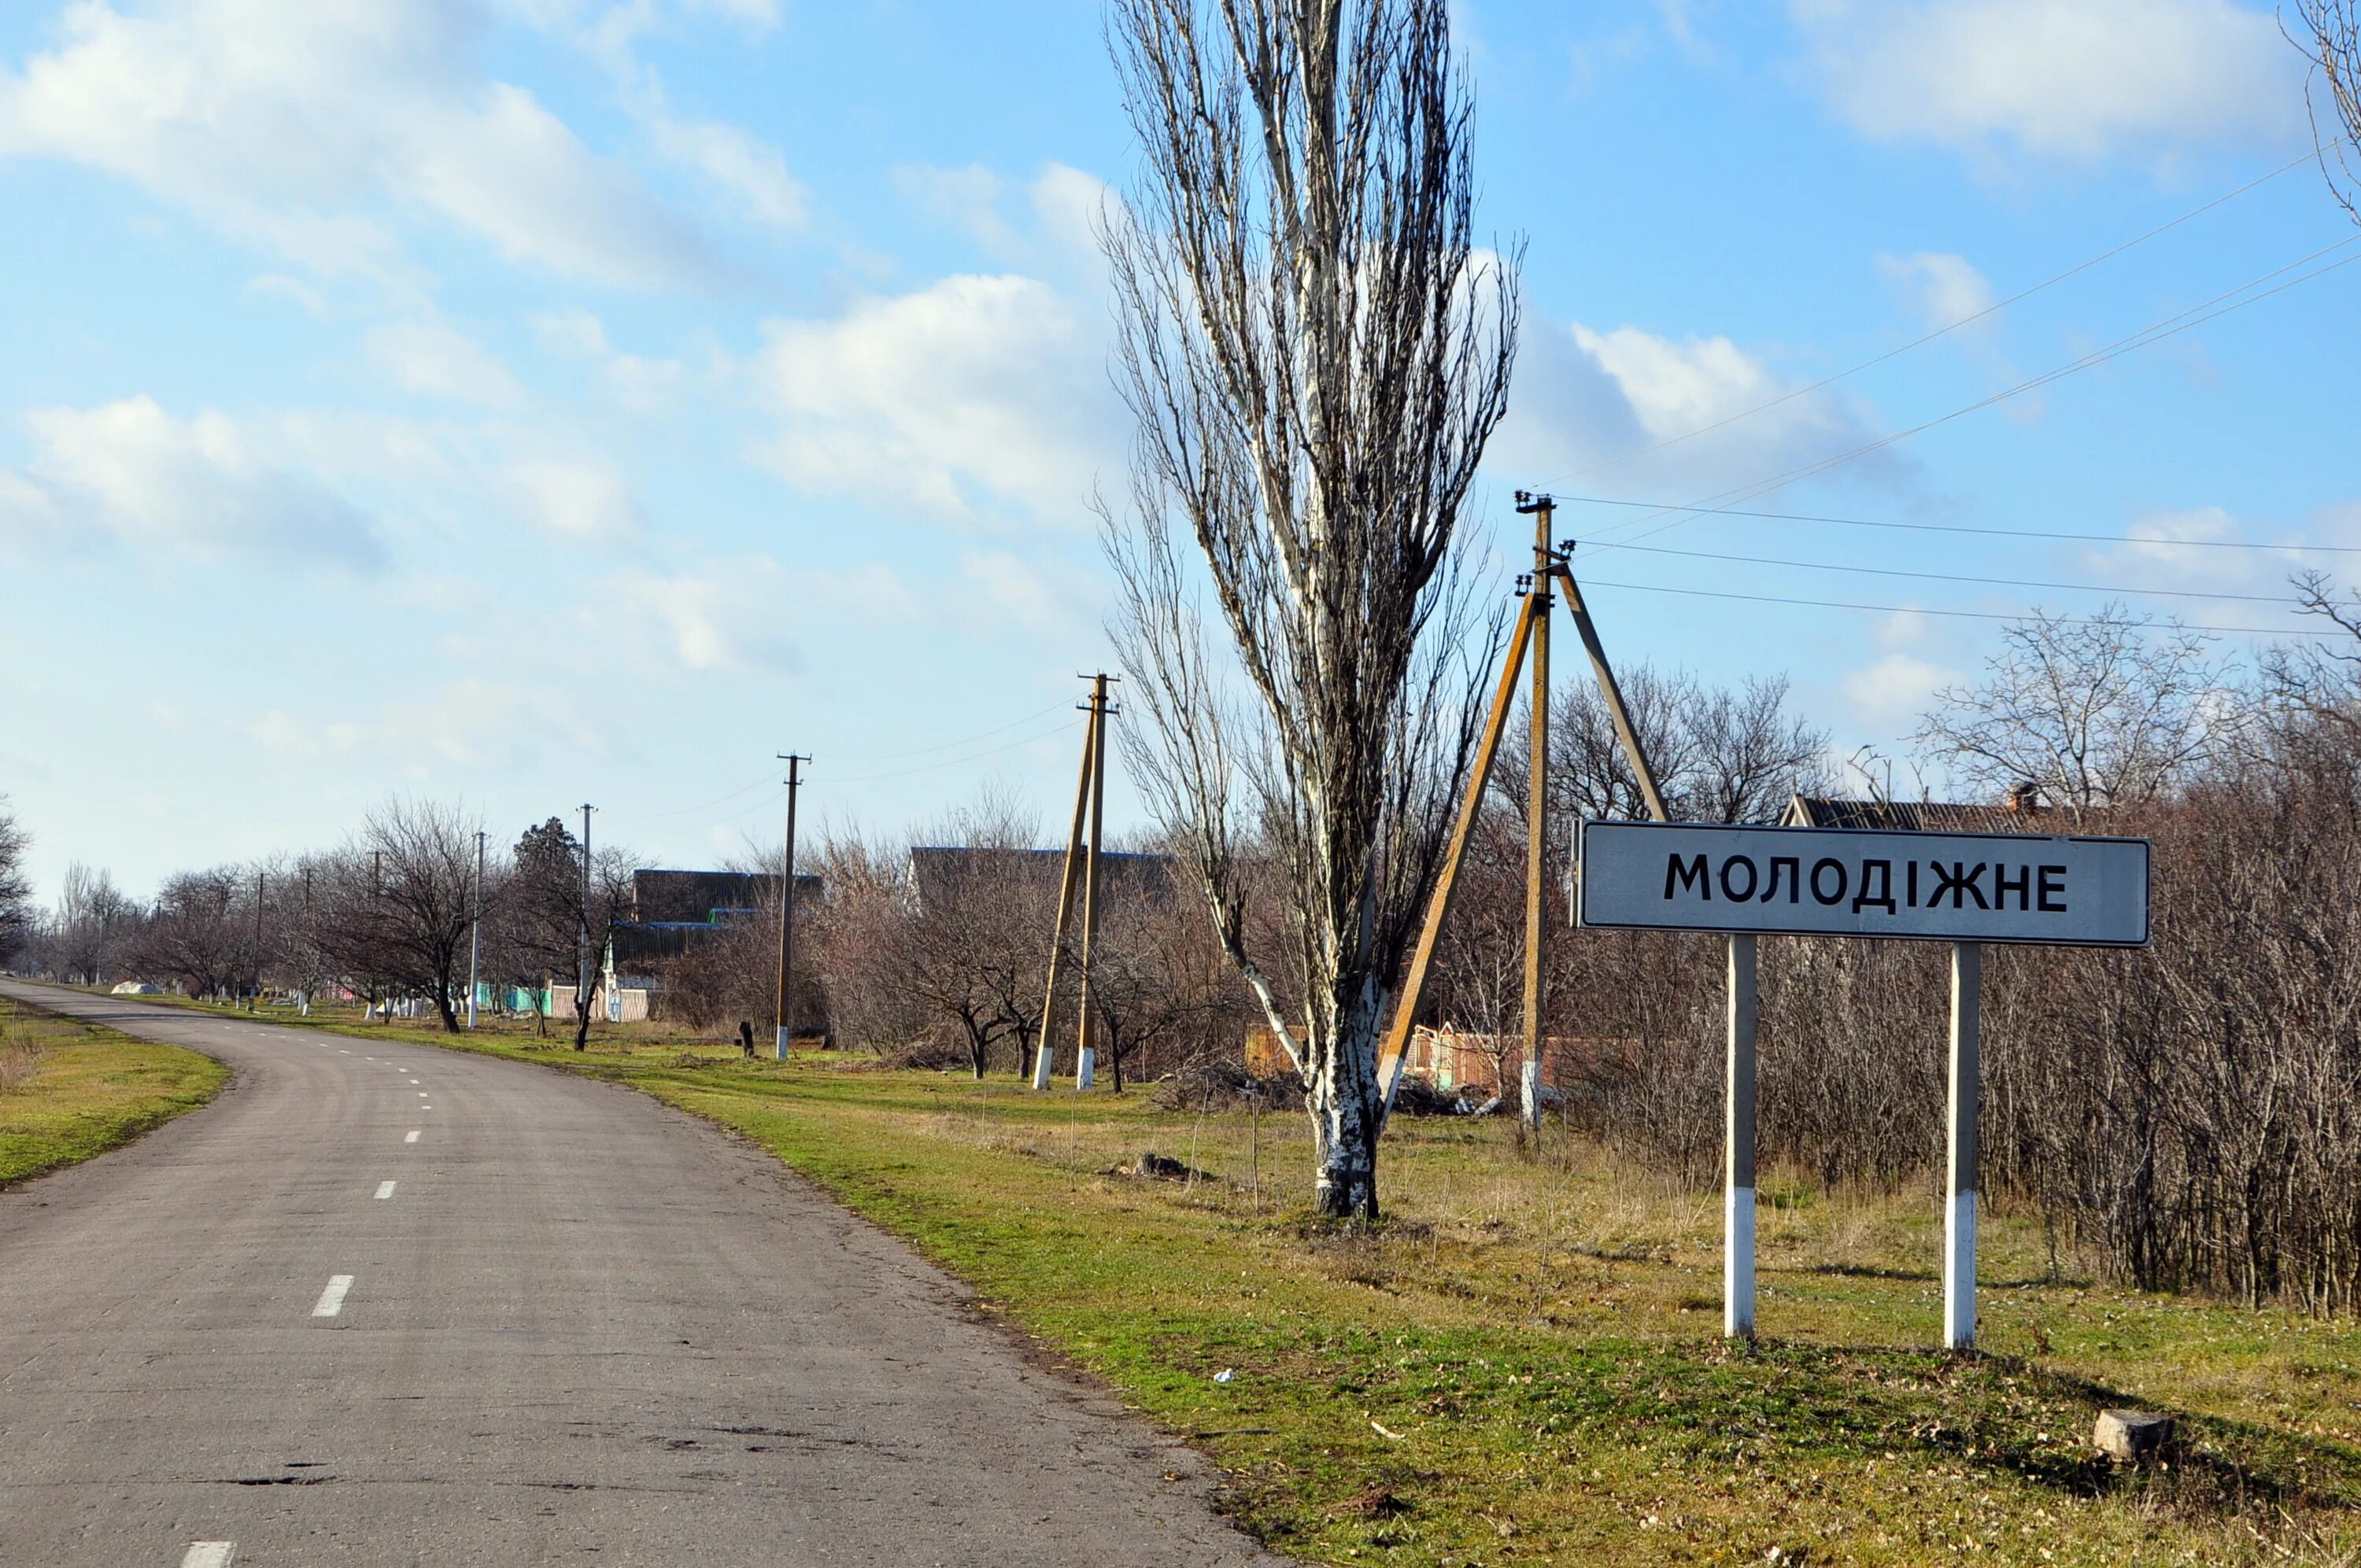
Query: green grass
[
  {"x": 1523, "y": 1362},
  {"x": 77, "y": 1091}
]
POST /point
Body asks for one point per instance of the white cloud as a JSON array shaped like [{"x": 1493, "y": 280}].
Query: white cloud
[
  {"x": 970, "y": 397},
  {"x": 204, "y": 486},
  {"x": 640, "y": 385},
  {"x": 747, "y": 615},
  {"x": 1054, "y": 230},
  {"x": 1684, "y": 420},
  {"x": 1945, "y": 291},
  {"x": 2079, "y": 81},
  {"x": 575, "y": 496},
  {"x": 1896, "y": 688},
  {"x": 743, "y": 167},
  {"x": 434, "y": 360},
  {"x": 1948, "y": 294},
  {"x": 285, "y": 124}
]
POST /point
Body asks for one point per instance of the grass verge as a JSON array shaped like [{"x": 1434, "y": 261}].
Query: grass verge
[
  {"x": 1522, "y": 1364},
  {"x": 69, "y": 1090}
]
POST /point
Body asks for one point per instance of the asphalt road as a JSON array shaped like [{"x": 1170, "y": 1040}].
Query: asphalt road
[{"x": 381, "y": 1303}]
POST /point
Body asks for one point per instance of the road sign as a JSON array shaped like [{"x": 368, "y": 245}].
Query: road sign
[
  {"x": 2067, "y": 891},
  {"x": 1963, "y": 888}
]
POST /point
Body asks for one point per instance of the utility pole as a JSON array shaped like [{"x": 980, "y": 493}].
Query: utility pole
[
  {"x": 582, "y": 970},
  {"x": 1086, "y": 1053},
  {"x": 256, "y": 1004},
  {"x": 1537, "y": 804},
  {"x": 310, "y": 951},
  {"x": 476, "y": 935},
  {"x": 1532, "y": 632},
  {"x": 787, "y": 907},
  {"x": 377, "y": 899},
  {"x": 1068, "y": 883}
]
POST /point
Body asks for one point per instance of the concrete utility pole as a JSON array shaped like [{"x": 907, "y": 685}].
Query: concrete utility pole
[
  {"x": 476, "y": 932},
  {"x": 1085, "y": 1056},
  {"x": 787, "y": 907},
  {"x": 582, "y": 965},
  {"x": 1068, "y": 882},
  {"x": 1537, "y": 806},
  {"x": 256, "y": 1006}
]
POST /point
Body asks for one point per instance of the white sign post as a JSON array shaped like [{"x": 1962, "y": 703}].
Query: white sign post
[{"x": 1964, "y": 888}]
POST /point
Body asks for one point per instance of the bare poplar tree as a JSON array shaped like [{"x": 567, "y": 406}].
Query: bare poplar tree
[
  {"x": 2331, "y": 34},
  {"x": 1315, "y": 353}
]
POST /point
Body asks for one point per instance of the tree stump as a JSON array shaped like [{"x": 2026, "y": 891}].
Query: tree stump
[{"x": 2132, "y": 1437}]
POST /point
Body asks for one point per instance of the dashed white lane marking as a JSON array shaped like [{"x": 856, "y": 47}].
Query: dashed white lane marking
[
  {"x": 413, "y": 1080},
  {"x": 422, "y": 1094},
  {"x": 413, "y": 1135},
  {"x": 385, "y": 1189},
  {"x": 210, "y": 1555},
  {"x": 332, "y": 1300},
  {"x": 343, "y": 1053}
]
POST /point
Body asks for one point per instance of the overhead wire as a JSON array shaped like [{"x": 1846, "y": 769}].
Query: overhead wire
[
  {"x": 1959, "y": 577},
  {"x": 1959, "y": 528},
  {"x": 1944, "y": 331},
  {"x": 1917, "y": 610},
  {"x": 954, "y": 761},
  {"x": 2156, "y": 332}
]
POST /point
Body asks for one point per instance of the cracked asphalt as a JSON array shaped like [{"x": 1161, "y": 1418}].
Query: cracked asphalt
[{"x": 579, "y": 1327}]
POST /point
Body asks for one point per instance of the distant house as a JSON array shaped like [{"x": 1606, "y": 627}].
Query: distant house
[
  {"x": 672, "y": 912},
  {"x": 2022, "y": 812},
  {"x": 705, "y": 898},
  {"x": 934, "y": 874}
]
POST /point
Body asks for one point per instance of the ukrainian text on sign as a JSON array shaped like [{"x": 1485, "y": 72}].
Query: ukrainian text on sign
[{"x": 1954, "y": 887}]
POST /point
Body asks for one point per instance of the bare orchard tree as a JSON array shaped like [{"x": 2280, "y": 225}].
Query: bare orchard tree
[
  {"x": 1315, "y": 353},
  {"x": 425, "y": 899},
  {"x": 2108, "y": 711},
  {"x": 2330, "y": 32},
  {"x": 202, "y": 932},
  {"x": 16, "y": 888}
]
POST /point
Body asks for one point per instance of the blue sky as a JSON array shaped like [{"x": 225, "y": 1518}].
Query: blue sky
[{"x": 533, "y": 401}]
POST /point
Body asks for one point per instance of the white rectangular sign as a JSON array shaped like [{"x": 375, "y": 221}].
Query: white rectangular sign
[{"x": 1824, "y": 881}]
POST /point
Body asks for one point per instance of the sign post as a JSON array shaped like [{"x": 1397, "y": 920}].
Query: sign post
[
  {"x": 1738, "y": 1186},
  {"x": 1960, "y": 1154},
  {"x": 1966, "y": 889}
]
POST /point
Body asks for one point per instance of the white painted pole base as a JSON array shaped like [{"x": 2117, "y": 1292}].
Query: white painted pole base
[
  {"x": 1532, "y": 1094},
  {"x": 1959, "y": 1272},
  {"x": 1042, "y": 1062},
  {"x": 782, "y": 1043},
  {"x": 1083, "y": 1067},
  {"x": 1738, "y": 1262}
]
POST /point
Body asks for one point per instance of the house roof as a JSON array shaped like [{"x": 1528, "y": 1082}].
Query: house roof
[
  {"x": 1916, "y": 816},
  {"x": 661, "y": 897}
]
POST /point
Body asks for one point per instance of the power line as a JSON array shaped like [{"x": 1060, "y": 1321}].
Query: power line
[
  {"x": 1916, "y": 609},
  {"x": 947, "y": 745},
  {"x": 2155, "y": 333},
  {"x": 956, "y": 762},
  {"x": 884, "y": 757},
  {"x": 1939, "y": 332},
  {"x": 1954, "y": 528},
  {"x": 1951, "y": 576}
]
